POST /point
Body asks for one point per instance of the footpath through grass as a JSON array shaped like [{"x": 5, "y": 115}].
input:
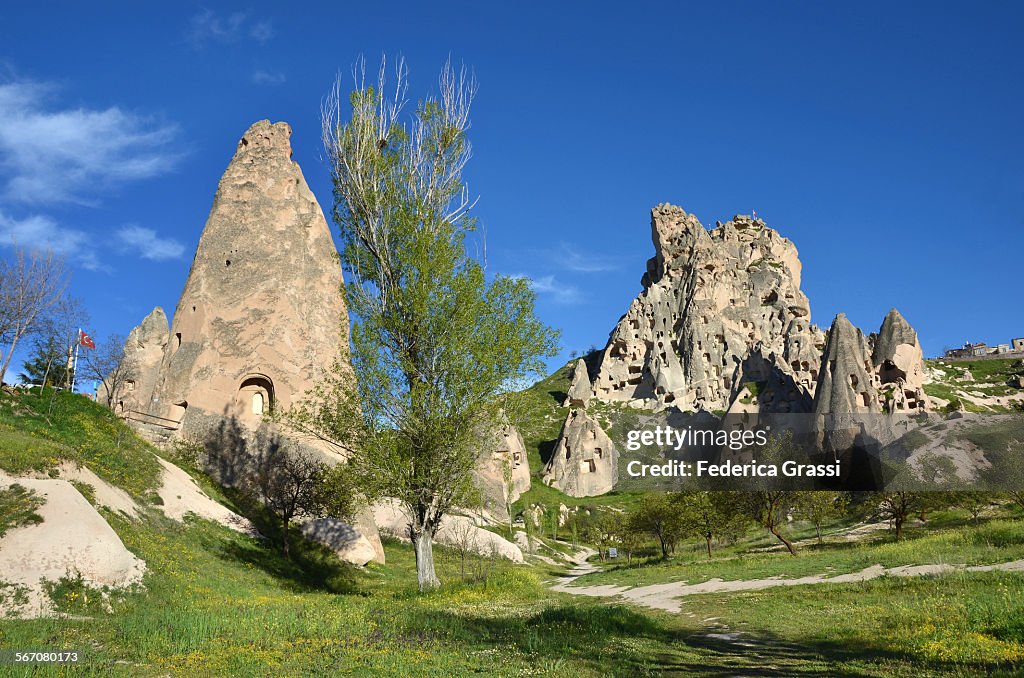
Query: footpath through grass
[{"x": 994, "y": 541}]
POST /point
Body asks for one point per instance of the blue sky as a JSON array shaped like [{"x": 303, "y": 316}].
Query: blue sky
[{"x": 884, "y": 141}]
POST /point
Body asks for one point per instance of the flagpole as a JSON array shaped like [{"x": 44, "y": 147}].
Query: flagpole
[{"x": 74, "y": 370}]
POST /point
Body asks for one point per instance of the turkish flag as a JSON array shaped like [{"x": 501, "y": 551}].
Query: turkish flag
[{"x": 85, "y": 340}]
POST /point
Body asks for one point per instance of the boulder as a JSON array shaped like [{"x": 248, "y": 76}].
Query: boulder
[
  {"x": 391, "y": 518},
  {"x": 585, "y": 461},
  {"x": 348, "y": 541}
]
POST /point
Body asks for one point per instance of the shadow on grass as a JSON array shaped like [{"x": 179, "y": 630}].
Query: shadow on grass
[
  {"x": 312, "y": 567},
  {"x": 618, "y": 640}
]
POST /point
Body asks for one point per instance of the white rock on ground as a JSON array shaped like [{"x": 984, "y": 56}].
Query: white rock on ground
[
  {"x": 113, "y": 498},
  {"x": 350, "y": 542},
  {"x": 181, "y": 495},
  {"x": 392, "y": 519},
  {"x": 72, "y": 540}
]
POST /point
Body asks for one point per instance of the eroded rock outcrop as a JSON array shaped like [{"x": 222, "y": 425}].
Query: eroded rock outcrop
[
  {"x": 502, "y": 473},
  {"x": 261, "y": 314},
  {"x": 710, "y": 299},
  {"x": 585, "y": 462},
  {"x": 898, "y": 362},
  {"x": 73, "y": 540},
  {"x": 846, "y": 383},
  {"x": 580, "y": 390},
  {"x": 144, "y": 351}
]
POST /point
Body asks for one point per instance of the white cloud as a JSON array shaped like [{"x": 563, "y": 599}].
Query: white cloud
[
  {"x": 71, "y": 155},
  {"x": 42, "y": 232},
  {"x": 576, "y": 261},
  {"x": 268, "y": 78},
  {"x": 549, "y": 286},
  {"x": 145, "y": 242},
  {"x": 207, "y": 26}
]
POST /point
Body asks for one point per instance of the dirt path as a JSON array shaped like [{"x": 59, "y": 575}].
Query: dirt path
[{"x": 667, "y": 596}]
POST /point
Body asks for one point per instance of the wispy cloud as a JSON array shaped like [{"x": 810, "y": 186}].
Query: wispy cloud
[
  {"x": 148, "y": 245},
  {"x": 50, "y": 155},
  {"x": 268, "y": 78},
  {"x": 549, "y": 286},
  {"x": 41, "y": 232},
  {"x": 207, "y": 26},
  {"x": 571, "y": 258}
]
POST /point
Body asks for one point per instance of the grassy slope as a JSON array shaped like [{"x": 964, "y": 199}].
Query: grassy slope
[
  {"x": 990, "y": 379},
  {"x": 219, "y": 603}
]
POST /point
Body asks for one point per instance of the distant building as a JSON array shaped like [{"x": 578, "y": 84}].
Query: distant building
[{"x": 981, "y": 349}]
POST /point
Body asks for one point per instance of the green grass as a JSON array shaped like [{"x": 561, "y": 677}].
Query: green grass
[
  {"x": 38, "y": 430},
  {"x": 215, "y": 602},
  {"x": 962, "y": 624},
  {"x": 18, "y": 506},
  {"x": 996, "y": 541}
]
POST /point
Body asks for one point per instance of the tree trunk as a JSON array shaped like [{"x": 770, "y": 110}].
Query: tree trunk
[
  {"x": 287, "y": 552},
  {"x": 7, "y": 360},
  {"x": 898, "y": 522},
  {"x": 817, "y": 528},
  {"x": 707, "y": 538},
  {"x": 788, "y": 543},
  {"x": 423, "y": 544}
]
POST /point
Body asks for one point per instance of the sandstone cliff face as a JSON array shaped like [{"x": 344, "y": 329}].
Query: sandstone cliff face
[
  {"x": 261, "y": 314},
  {"x": 580, "y": 391},
  {"x": 144, "y": 350},
  {"x": 504, "y": 450},
  {"x": 846, "y": 384},
  {"x": 711, "y": 299},
  {"x": 882, "y": 373},
  {"x": 898, "y": 362},
  {"x": 585, "y": 462}
]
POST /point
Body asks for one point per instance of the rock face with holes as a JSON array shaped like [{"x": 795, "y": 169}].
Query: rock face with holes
[
  {"x": 261, "y": 315},
  {"x": 898, "y": 362},
  {"x": 585, "y": 462},
  {"x": 502, "y": 472},
  {"x": 718, "y": 309},
  {"x": 847, "y": 382},
  {"x": 144, "y": 351}
]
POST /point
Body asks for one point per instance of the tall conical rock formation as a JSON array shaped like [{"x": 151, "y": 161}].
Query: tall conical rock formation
[
  {"x": 899, "y": 363},
  {"x": 580, "y": 391},
  {"x": 846, "y": 383},
  {"x": 261, "y": 315},
  {"x": 710, "y": 299},
  {"x": 585, "y": 462}
]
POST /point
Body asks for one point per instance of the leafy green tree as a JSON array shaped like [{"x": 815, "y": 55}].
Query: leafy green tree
[
  {"x": 436, "y": 340},
  {"x": 660, "y": 516},
  {"x": 818, "y": 507},
  {"x": 710, "y": 515}
]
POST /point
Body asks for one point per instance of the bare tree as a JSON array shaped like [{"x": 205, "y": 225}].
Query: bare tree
[
  {"x": 463, "y": 538},
  {"x": 31, "y": 282},
  {"x": 55, "y": 337},
  {"x": 291, "y": 484},
  {"x": 108, "y": 364}
]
